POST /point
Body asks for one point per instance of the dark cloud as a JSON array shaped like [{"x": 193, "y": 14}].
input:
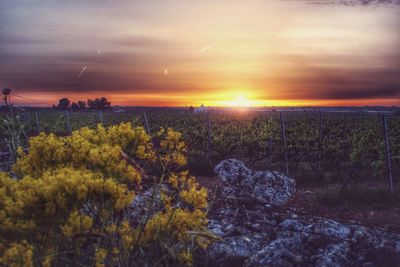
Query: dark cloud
[
  {"x": 138, "y": 73},
  {"x": 352, "y": 2},
  {"x": 145, "y": 42},
  {"x": 109, "y": 72},
  {"x": 337, "y": 83},
  {"x": 389, "y": 91}
]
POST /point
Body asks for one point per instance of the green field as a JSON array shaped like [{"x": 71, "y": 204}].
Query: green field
[{"x": 320, "y": 146}]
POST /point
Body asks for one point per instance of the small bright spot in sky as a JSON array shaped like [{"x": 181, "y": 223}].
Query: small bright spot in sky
[
  {"x": 99, "y": 51},
  {"x": 82, "y": 71},
  {"x": 166, "y": 72},
  {"x": 204, "y": 49}
]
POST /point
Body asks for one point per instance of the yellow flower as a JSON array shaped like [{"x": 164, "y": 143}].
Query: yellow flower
[
  {"x": 173, "y": 180},
  {"x": 47, "y": 262},
  {"x": 100, "y": 256},
  {"x": 127, "y": 233},
  {"x": 186, "y": 258},
  {"x": 173, "y": 149},
  {"x": 77, "y": 224},
  {"x": 194, "y": 197},
  {"x": 18, "y": 254}
]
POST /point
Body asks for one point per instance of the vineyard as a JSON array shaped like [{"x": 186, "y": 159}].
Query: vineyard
[{"x": 316, "y": 147}]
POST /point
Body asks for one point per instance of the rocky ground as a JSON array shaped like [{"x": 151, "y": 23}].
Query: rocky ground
[
  {"x": 259, "y": 225},
  {"x": 304, "y": 202}
]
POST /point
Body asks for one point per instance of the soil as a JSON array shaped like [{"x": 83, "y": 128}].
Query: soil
[
  {"x": 304, "y": 203},
  {"x": 384, "y": 217}
]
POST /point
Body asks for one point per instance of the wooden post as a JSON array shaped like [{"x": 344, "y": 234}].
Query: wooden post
[
  {"x": 320, "y": 147},
  {"x": 101, "y": 116},
  {"x": 146, "y": 122},
  {"x": 269, "y": 141},
  {"x": 208, "y": 136},
  {"x": 387, "y": 153},
  {"x": 284, "y": 142},
  {"x": 68, "y": 122},
  {"x": 37, "y": 123},
  {"x": 270, "y": 152}
]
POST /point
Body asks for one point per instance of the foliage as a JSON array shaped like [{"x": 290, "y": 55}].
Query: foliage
[
  {"x": 81, "y": 105},
  {"x": 368, "y": 149},
  {"x": 63, "y": 104},
  {"x": 70, "y": 205},
  {"x": 13, "y": 133},
  {"x": 349, "y": 142},
  {"x": 99, "y": 103},
  {"x": 6, "y": 95}
]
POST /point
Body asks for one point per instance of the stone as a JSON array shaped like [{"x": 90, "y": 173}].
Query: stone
[
  {"x": 233, "y": 251},
  {"x": 334, "y": 255},
  {"x": 330, "y": 228},
  {"x": 280, "y": 252},
  {"x": 261, "y": 187},
  {"x": 253, "y": 234},
  {"x": 368, "y": 264}
]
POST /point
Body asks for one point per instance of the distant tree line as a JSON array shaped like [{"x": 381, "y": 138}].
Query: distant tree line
[{"x": 98, "y": 104}]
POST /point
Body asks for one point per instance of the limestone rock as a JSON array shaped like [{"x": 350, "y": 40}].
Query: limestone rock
[{"x": 248, "y": 186}]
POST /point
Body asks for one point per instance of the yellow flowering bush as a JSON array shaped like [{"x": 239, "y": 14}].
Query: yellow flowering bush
[
  {"x": 189, "y": 190},
  {"x": 68, "y": 201},
  {"x": 172, "y": 148}
]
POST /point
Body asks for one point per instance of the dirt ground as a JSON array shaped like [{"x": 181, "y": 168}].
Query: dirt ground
[
  {"x": 385, "y": 217},
  {"x": 305, "y": 203}
]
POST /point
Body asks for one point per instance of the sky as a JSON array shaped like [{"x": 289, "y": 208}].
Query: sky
[{"x": 219, "y": 53}]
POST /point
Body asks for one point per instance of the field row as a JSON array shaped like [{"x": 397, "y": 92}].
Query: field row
[{"x": 307, "y": 145}]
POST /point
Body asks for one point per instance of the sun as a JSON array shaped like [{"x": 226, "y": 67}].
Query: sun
[
  {"x": 240, "y": 101},
  {"x": 235, "y": 99}
]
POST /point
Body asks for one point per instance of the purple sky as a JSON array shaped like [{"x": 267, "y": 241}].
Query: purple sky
[{"x": 176, "y": 52}]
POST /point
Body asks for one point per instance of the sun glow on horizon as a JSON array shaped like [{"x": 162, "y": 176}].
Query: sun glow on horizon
[
  {"x": 232, "y": 99},
  {"x": 235, "y": 98},
  {"x": 241, "y": 101}
]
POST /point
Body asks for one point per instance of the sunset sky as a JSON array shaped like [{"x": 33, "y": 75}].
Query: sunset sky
[{"x": 181, "y": 53}]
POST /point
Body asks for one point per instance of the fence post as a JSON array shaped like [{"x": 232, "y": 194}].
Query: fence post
[
  {"x": 68, "y": 122},
  {"x": 208, "y": 136},
  {"x": 320, "y": 147},
  {"x": 387, "y": 153},
  {"x": 101, "y": 116},
  {"x": 146, "y": 122},
  {"x": 270, "y": 153},
  {"x": 37, "y": 123},
  {"x": 269, "y": 146},
  {"x": 284, "y": 142}
]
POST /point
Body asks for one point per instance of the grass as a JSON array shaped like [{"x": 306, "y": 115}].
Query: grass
[{"x": 358, "y": 196}]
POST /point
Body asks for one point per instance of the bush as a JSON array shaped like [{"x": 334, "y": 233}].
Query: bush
[{"x": 68, "y": 203}]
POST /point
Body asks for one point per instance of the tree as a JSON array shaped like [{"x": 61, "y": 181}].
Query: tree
[
  {"x": 6, "y": 95},
  {"x": 99, "y": 103},
  {"x": 74, "y": 106},
  {"x": 79, "y": 105},
  {"x": 82, "y": 104},
  {"x": 63, "y": 104}
]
